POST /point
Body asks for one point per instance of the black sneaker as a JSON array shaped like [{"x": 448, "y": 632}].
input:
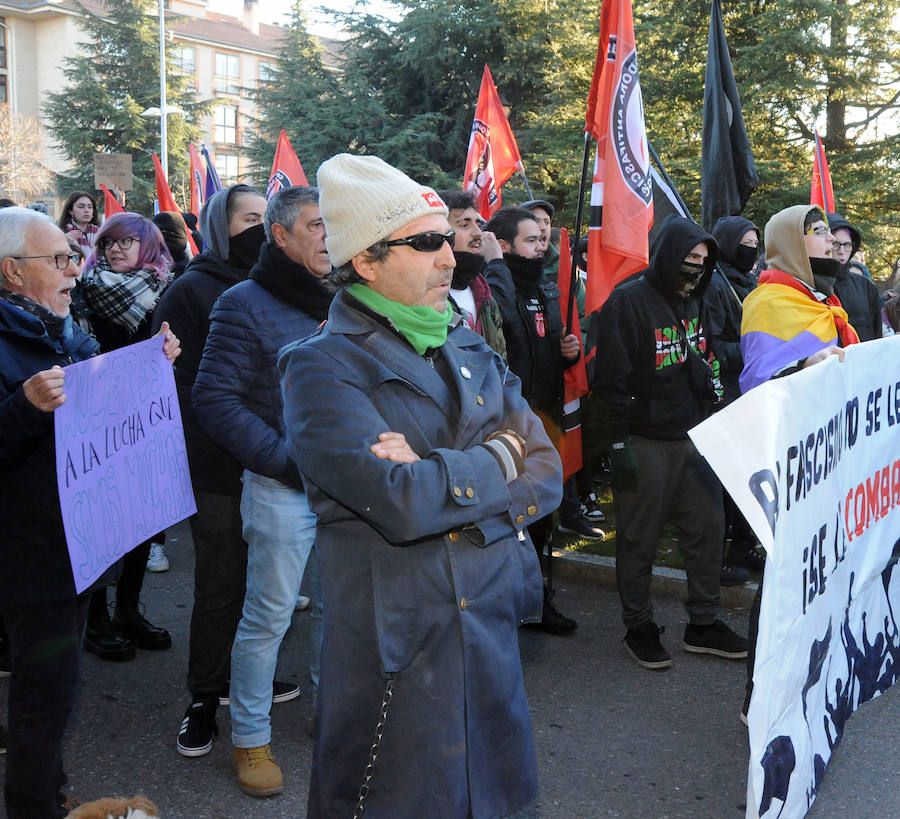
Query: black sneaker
[
  {"x": 3, "y": 740},
  {"x": 590, "y": 508},
  {"x": 730, "y": 576},
  {"x": 281, "y": 692},
  {"x": 744, "y": 554},
  {"x": 581, "y": 527},
  {"x": 643, "y": 644},
  {"x": 716, "y": 639},
  {"x": 198, "y": 728}
]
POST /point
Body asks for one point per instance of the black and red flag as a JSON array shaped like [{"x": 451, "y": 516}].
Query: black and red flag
[{"x": 621, "y": 194}]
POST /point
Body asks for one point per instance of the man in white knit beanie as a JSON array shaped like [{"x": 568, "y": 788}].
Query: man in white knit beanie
[{"x": 424, "y": 466}]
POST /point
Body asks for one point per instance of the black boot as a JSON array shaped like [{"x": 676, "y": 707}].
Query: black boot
[
  {"x": 552, "y": 621},
  {"x": 129, "y": 621},
  {"x": 100, "y": 637}
]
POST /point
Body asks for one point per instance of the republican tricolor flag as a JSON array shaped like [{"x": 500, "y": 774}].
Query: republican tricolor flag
[
  {"x": 622, "y": 193},
  {"x": 198, "y": 181},
  {"x": 493, "y": 154},
  {"x": 286, "y": 168},
  {"x": 821, "y": 193}
]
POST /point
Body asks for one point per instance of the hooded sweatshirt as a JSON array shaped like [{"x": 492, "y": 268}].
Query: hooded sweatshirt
[
  {"x": 646, "y": 381},
  {"x": 786, "y": 319},
  {"x": 186, "y": 305},
  {"x": 722, "y": 301},
  {"x": 859, "y": 296}
]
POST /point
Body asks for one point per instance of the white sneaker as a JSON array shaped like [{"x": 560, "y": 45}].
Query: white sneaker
[
  {"x": 302, "y": 603},
  {"x": 157, "y": 560}
]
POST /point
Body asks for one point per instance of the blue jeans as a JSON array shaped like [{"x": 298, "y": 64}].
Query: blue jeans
[{"x": 280, "y": 531}]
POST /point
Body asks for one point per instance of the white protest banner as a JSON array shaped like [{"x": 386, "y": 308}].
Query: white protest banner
[
  {"x": 121, "y": 462},
  {"x": 813, "y": 462}
]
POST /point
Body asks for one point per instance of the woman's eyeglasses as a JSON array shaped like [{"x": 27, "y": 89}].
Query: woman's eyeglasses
[{"x": 124, "y": 243}]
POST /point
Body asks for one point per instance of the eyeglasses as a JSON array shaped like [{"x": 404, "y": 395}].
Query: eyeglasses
[
  {"x": 848, "y": 246},
  {"x": 124, "y": 243},
  {"x": 819, "y": 230},
  {"x": 61, "y": 260},
  {"x": 430, "y": 242}
]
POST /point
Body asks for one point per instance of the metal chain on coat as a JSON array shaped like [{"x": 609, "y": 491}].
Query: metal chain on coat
[{"x": 373, "y": 754}]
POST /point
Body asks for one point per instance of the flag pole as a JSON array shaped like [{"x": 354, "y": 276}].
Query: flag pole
[
  {"x": 655, "y": 157},
  {"x": 579, "y": 217},
  {"x": 525, "y": 180}
]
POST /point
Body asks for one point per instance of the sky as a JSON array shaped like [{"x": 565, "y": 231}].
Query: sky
[{"x": 278, "y": 11}]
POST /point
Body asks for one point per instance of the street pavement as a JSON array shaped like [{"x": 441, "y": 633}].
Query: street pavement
[{"x": 612, "y": 739}]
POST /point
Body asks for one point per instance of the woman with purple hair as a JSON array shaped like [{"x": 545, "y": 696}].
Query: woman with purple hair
[{"x": 121, "y": 282}]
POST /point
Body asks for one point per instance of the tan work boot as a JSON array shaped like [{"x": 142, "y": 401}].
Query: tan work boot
[{"x": 257, "y": 772}]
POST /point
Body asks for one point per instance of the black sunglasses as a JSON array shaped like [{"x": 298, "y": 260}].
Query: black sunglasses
[{"x": 429, "y": 242}]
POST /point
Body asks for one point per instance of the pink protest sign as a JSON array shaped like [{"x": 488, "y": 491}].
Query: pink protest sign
[{"x": 121, "y": 462}]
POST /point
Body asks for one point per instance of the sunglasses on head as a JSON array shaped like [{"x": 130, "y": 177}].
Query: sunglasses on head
[{"x": 429, "y": 242}]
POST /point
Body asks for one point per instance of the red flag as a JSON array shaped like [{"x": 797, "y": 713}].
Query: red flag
[
  {"x": 622, "y": 193},
  {"x": 198, "y": 181},
  {"x": 493, "y": 153},
  {"x": 286, "y": 169},
  {"x": 111, "y": 205},
  {"x": 821, "y": 193},
  {"x": 575, "y": 383},
  {"x": 165, "y": 200}
]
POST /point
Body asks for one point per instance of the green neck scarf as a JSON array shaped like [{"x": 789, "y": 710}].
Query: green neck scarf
[{"x": 423, "y": 327}]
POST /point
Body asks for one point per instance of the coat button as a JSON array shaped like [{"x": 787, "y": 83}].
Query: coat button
[
  {"x": 463, "y": 603},
  {"x": 470, "y": 493},
  {"x": 520, "y": 518},
  {"x": 465, "y": 372},
  {"x": 480, "y": 401},
  {"x": 454, "y": 536},
  {"x": 457, "y": 491},
  {"x": 532, "y": 510}
]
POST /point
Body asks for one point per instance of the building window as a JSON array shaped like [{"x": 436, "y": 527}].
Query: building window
[
  {"x": 3, "y": 43},
  {"x": 225, "y": 122},
  {"x": 185, "y": 59},
  {"x": 266, "y": 72},
  {"x": 227, "y": 168},
  {"x": 228, "y": 73}
]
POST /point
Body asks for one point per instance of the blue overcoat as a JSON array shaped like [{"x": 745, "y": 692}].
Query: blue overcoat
[{"x": 427, "y": 568}]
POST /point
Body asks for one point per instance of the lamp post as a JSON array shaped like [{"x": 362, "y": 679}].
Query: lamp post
[{"x": 163, "y": 136}]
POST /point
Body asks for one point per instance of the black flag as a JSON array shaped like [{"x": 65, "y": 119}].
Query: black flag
[{"x": 729, "y": 173}]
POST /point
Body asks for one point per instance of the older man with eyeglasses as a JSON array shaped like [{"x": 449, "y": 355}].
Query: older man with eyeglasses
[
  {"x": 424, "y": 465},
  {"x": 42, "y": 614}
]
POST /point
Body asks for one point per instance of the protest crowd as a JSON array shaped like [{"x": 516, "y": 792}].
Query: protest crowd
[{"x": 374, "y": 380}]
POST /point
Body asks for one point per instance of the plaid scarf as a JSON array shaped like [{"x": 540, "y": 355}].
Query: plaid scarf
[
  {"x": 54, "y": 323},
  {"x": 121, "y": 298}
]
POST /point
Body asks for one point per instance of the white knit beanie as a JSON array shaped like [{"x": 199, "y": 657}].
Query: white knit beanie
[{"x": 363, "y": 200}]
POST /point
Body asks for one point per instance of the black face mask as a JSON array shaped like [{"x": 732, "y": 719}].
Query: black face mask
[
  {"x": 825, "y": 273},
  {"x": 468, "y": 266},
  {"x": 243, "y": 248},
  {"x": 745, "y": 258},
  {"x": 528, "y": 270}
]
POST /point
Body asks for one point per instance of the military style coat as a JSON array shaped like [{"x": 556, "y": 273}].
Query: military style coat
[{"x": 427, "y": 569}]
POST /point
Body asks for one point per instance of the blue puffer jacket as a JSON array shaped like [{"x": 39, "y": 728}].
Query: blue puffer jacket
[
  {"x": 34, "y": 560},
  {"x": 237, "y": 392}
]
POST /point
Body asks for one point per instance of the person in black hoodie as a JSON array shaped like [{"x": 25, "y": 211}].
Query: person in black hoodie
[
  {"x": 653, "y": 380},
  {"x": 859, "y": 296},
  {"x": 232, "y": 222},
  {"x": 738, "y": 240}
]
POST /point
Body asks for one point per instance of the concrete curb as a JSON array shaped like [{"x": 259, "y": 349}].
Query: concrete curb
[{"x": 670, "y": 582}]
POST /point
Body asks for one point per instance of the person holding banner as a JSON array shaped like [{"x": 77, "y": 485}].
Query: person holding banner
[
  {"x": 858, "y": 295},
  {"x": 41, "y": 611},
  {"x": 424, "y": 466},
  {"x": 653, "y": 380},
  {"x": 793, "y": 320},
  {"x": 122, "y": 281}
]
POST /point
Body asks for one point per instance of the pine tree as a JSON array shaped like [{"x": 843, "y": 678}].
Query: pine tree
[
  {"x": 113, "y": 80},
  {"x": 301, "y": 96}
]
